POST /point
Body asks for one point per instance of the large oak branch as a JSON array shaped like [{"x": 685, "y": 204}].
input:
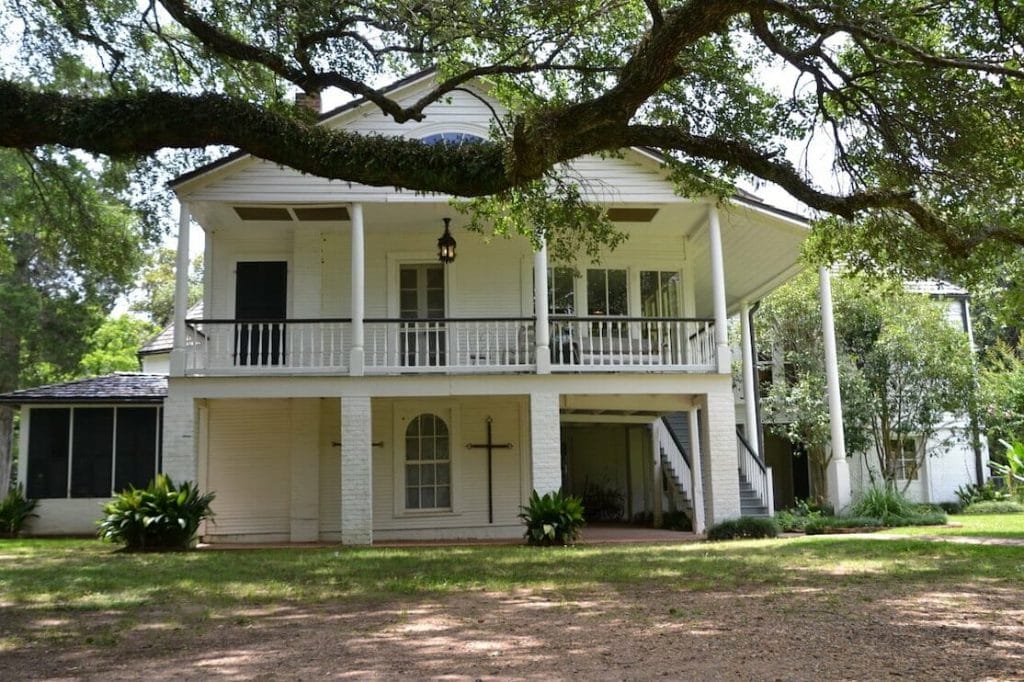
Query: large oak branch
[{"x": 143, "y": 123}]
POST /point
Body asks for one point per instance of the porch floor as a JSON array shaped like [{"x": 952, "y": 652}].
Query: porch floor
[{"x": 598, "y": 534}]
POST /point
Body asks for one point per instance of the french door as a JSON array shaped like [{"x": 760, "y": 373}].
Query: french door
[
  {"x": 261, "y": 299},
  {"x": 422, "y": 302}
]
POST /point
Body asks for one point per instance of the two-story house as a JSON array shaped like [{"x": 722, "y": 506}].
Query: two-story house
[{"x": 364, "y": 368}]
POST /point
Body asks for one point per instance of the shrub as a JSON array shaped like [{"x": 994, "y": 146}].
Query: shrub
[
  {"x": 987, "y": 492},
  {"x": 994, "y": 507},
  {"x": 552, "y": 519},
  {"x": 744, "y": 527},
  {"x": 882, "y": 502},
  {"x": 931, "y": 518},
  {"x": 160, "y": 516},
  {"x": 951, "y": 507},
  {"x": 676, "y": 520},
  {"x": 602, "y": 504},
  {"x": 15, "y": 510},
  {"x": 825, "y": 524},
  {"x": 796, "y": 519}
]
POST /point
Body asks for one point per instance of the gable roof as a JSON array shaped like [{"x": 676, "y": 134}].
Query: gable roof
[
  {"x": 348, "y": 106},
  {"x": 164, "y": 341},
  {"x": 120, "y": 387}
]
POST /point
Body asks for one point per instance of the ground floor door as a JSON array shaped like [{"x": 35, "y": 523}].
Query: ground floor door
[{"x": 610, "y": 467}]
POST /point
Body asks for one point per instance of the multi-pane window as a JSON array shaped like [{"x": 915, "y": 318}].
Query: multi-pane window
[
  {"x": 428, "y": 464},
  {"x": 659, "y": 294},
  {"x": 905, "y": 459},
  {"x": 561, "y": 291},
  {"x": 606, "y": 292},
  {"x": 91, "y": 451}
]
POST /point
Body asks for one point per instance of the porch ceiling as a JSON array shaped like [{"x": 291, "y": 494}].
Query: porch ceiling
[{"x": 761, "y": 249}]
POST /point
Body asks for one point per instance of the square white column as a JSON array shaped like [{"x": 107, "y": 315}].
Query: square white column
[
  {"x": 545, "y": 443},
  {"x": 178, "y": 352},
  {"x": 356, "y": 472},
  {"x": 722, "y": 477}
]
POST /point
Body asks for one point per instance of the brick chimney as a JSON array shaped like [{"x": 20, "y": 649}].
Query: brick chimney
[{"x": 308, "y": 99}]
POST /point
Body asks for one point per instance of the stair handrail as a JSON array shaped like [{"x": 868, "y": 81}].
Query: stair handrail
[
  {"x": 676, "y": 456},
  {"x": 678, "y": 443},
  {"x": 757, "y": 473}
]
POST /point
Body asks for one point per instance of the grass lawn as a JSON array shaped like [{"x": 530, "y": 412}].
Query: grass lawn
[
  {"x": 975, "y": 525},
  {"x": 68, "y": 603}
]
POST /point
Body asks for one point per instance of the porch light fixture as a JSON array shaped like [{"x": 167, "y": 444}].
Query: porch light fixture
[{"x": 446, "y": 244}]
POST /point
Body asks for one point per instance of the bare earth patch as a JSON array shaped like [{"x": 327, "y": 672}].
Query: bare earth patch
[{"x": 850, "y": 632}]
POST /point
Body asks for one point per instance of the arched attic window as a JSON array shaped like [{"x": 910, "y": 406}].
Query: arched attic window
[{"x": 452, "y": 138}]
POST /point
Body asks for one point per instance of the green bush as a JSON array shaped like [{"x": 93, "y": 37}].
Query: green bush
[
  {"x": 931, "y": 518},
  {"x": 825, "y": 524},
  {"x": 160, "y": 516},
  {"x": 881, "y": 502},
  {"x": 552, "y": 519},
  {"x": 676, "y": 520},
  {"x": 951, "y": 507},
  {"x": 987, "y": 492},
  {"x": 15, "y": 510},
  {"x": 994, "y": 507},
  {"x": 796, "y": 519},
  {"x": 744, "y": 527}
]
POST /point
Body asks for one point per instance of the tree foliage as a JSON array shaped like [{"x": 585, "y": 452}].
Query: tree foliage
[
  {"x": 68, "y": 249},
  {"x": 903, "y": 369},
  {"x": 920, "y": 102},
  {"x": 154, "y": 296}
]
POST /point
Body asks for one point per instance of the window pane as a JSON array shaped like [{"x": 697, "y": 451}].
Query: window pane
[
  {"x": 412, "y": 474},
  {"x": 435, "y": 277},
  {"x": 407, "y": 278},
  {"x": 92, "y": 451},
  {"x": 412, "y": 498},
  {"x": 617, "y": 300},
  {"x": 135, "y": 457},
  {"x": 648, "y": 293},
  {"x": 412, "y": 447},
  {"x": 48, "y": 453},
  {"x": 561, "y": 295},
  {"x": 597, "y": 298},
  {"x": 443, "y": 473},
  {"x": 427, "y": 498},
  {"x": 444, "y": 496},
  {"x": 427, "y": 474}
]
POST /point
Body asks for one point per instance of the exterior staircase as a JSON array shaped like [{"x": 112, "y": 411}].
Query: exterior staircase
[
  {"x": 675, "y": 464},
  {"x": 750, "y": 502}
]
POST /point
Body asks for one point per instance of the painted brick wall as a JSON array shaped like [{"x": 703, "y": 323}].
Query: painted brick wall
[
  {"x": 179, "y": 448},
  {"x": 356, "y": 472},
  {"x": 722, "y": 483},
  {"x": 545, "y": 442}
]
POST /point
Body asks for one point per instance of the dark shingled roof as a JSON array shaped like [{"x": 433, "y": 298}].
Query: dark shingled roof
[
  {"x": 121, "y": 387},
  {"x": 164, "y": 341}
]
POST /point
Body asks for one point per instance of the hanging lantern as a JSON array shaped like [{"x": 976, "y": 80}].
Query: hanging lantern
[{"x": 446, "y": 244}]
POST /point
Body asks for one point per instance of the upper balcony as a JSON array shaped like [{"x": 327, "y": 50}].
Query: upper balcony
[{"x": 446, "y": 345}]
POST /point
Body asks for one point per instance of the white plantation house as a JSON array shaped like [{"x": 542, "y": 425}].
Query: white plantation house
[{"x": 340, "y": 382}]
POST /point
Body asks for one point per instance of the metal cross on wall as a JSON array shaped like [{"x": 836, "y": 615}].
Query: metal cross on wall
[{"x": 491, "y": 446}]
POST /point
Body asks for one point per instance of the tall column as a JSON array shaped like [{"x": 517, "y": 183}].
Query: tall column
[
  {"x": 838, "y": 473},
  {"x": 356, "y": 472},
  {"x": 177, "y": 360},
  {"x": 719, "y": 451},
  {"x": 724, "y": 357},
  {"x": 697, "y": 470},
  {"x": 545, "y": 443},
  {"x": 749, "y": 367},
  {"x": 542, "y": 329},
  {"x": 357, "y": 357}
]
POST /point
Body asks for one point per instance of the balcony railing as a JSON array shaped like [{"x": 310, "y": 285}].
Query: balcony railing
[
  {"x": 448, "y": 345},
  {"x": 267, "y": 346}
]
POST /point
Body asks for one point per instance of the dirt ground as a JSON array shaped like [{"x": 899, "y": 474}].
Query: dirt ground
[{"x": 851, "y": 632}]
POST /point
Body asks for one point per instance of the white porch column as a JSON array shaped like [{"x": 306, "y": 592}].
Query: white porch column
[
  {"x": 718, "y": 292},
  {"x": 658, "y": 475},
  {"x": 177, "y": 360},
  {"x": 542, "y": 329},
  {"x": 749, "y": 403},
  {"x": 838, "y": 473},
  {"x": 545, "y": 443},
  {"x": 697, "y": 471},
  {"x": 357, "y": 357},
  {"x": 719, "y": 450},
  {"x": 356, "y": 472}
]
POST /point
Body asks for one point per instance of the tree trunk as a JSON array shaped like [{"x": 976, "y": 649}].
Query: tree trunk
[
  {"x": 818, "y": 474},
  {"x": 6, "y": 448}
]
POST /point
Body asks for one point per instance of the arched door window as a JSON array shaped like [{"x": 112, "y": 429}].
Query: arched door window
[{"x": 428, "y": 464}]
